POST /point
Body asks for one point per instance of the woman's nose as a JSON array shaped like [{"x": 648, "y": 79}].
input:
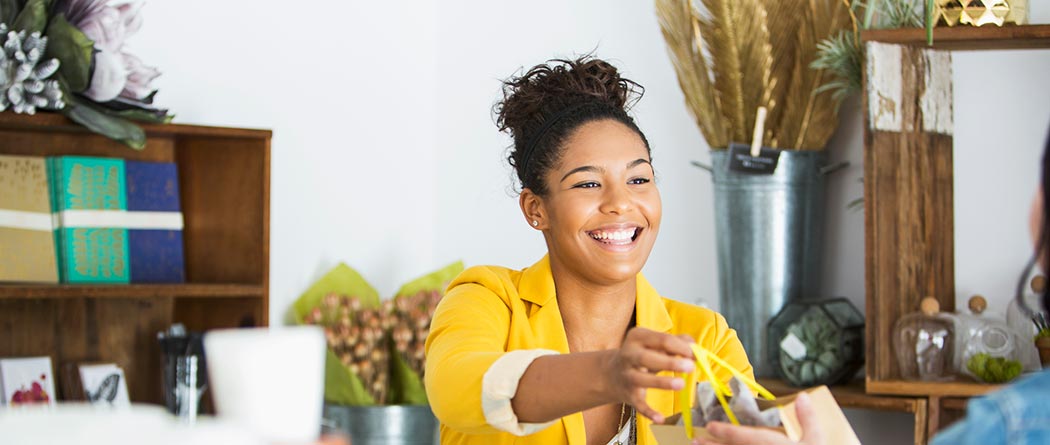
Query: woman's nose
[{"x": 616, "y": 200}]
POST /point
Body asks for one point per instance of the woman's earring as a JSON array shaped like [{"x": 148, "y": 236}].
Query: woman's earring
[{"x": 535, "y": 223}]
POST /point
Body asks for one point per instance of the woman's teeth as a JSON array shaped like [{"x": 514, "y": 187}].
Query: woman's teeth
[{"x": 619, "y": 235}]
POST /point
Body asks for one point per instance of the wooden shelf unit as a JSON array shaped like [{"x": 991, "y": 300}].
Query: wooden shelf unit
[
  {"x": 908, "y": 194},
  {"x": 967, "y": 37},
  {"x": 224, "y": 180}
]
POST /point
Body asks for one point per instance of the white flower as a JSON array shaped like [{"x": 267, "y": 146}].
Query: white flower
[{"x": 109, "y": 78}]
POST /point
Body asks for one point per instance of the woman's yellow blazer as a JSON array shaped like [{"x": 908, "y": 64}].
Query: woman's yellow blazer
[{"x": 489, "y": 310}]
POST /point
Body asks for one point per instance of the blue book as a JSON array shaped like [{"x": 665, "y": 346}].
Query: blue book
[{"x": 155, "y": 248}]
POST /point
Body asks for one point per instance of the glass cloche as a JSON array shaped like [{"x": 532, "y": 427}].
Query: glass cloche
[{"x": 924, "y": 343}]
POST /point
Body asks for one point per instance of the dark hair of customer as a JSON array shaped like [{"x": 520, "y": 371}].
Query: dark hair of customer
[
  {"x": 1041, "y": 255},
  {"x": 1044, "y": 233},
  {"x": 541, "y": 109}
]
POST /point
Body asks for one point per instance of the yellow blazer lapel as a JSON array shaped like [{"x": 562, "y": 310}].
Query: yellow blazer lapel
[
  {"x": 651, "y": 313},
  {"x": 536, "y": 288}
]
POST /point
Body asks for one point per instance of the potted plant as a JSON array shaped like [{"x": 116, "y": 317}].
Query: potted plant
[
  {"x": 375, "y": 363},
  {"x": 1042, "y": 342}
]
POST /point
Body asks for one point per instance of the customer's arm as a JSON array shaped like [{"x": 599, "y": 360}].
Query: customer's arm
[{"x": 726, "y": 434}]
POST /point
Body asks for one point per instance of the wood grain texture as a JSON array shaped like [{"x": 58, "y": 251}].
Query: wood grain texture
[
  {"x": 909, "y": 230},
  {"x": 851, "y": 395},
  {"x": 967, "y": 37},
  {"x": 190, "y": 290},
  {"x": 217, "y": 313},
  {"x": 921, "y": 423},
  {"x": 225, "y": 191},
  {"x": 935, "y": 389},
  {"x": 225, "y": 205},
  {"x": 933, "y": 416}
]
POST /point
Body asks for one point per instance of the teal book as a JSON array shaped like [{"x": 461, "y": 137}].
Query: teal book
[{"x": 90, "y": 203}]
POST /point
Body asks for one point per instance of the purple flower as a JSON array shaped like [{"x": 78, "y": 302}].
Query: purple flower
[
  {"x": 116, "y": 72},
  {"x": 139, "y": 78}
]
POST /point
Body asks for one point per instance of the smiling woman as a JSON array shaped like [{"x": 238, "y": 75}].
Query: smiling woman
[{"x": 578, "y": 348}]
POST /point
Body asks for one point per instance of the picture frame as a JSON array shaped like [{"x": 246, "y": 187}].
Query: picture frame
[
  {"x": 27, "y": 381},
  {"x": 104, "y": 384}
]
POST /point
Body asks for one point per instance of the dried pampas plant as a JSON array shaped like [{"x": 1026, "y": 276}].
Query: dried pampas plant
[{"x": 733, "y": 56}]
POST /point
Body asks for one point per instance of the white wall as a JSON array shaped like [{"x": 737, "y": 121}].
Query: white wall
[{"x": 385, "y": 155}]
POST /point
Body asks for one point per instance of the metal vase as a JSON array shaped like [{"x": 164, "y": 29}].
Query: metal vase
[
  {"x": 384, "y": 425},
  {"x": 769, "y": 230}
]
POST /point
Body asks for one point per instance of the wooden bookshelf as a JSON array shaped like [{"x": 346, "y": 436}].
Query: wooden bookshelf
[
  {"x": 224, "y": 180},
  {"x": 190, "y": 290},
  {"x": 967, "y": 37}
]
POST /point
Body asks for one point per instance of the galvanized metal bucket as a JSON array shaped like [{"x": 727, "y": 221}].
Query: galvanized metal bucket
[
  {"x": 769, "y": 230},
  {"x": 384, "y": 425}
]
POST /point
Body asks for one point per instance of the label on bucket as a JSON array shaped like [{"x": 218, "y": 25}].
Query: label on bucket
[{"x": 741, "y": 161}]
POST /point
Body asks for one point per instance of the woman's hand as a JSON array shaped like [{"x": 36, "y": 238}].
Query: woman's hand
[
  {"x": 632, "y": 369},
  {"x": 726, "y": 434}
]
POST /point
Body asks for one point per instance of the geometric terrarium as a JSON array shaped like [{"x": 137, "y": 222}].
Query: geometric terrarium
[
  {"x": 981, "y": 12},
  {"x": 816, "y": 342}
]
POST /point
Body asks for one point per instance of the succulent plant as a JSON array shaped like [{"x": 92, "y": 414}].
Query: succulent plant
[
  {"x": 821, "y": 358},
  {"x": 24, "y": 74}
]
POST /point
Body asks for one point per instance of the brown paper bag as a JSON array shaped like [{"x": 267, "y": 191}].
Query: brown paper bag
[{"x": 837, "y": 429}]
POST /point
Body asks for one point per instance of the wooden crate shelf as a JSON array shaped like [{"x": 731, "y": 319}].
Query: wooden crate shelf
[
  {"x": 967, "y": 37},
  {"x": 853, "y": 395},
  {"x": 224, "y": 182}
]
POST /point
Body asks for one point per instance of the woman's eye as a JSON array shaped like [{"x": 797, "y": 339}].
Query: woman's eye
[
  {"x": 639, "y": 181},
  {"x": 586, "y": 185}
]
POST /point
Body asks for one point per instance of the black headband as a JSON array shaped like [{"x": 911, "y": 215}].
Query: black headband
[{"x": 547, "y": 125}]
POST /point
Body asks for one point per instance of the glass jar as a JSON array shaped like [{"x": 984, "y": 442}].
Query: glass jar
[
  {"x": 988, "y": 349},
  {"x": 924, "y": 343},
  {"x": 1018, "y": 318},
  {"x": 816, "y": 342}
]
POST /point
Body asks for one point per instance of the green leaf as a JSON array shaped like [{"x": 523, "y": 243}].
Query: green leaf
[
  {"x": 73, "y": 50},
  {"x": 9, "y": 10},
  {"x": 930, "y": 21},
  {"x": 436, "y": 280},
  {"x": 112, "y": 127},
  {"x": 406, "y": 387},
  {"x": 341, "y": 386},
  {"x": 33, "y": 17},
  {"x": 342, "y": 280},
  {"x": 153, "y": 117}
]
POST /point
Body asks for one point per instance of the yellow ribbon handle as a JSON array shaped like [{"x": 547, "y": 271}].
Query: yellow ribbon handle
[{"x": 704, "y": 360}]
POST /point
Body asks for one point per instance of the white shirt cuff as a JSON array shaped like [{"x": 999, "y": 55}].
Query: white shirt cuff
[{"x": 499, "y": 385}]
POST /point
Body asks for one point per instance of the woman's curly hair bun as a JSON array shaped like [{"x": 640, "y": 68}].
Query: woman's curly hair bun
[{"x": 541, "y": 108}]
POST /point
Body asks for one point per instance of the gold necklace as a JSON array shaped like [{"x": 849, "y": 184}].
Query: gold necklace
[{"x": 619, "y": 425}]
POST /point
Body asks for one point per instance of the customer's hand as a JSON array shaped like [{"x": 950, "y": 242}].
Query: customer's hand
[
  {"x": 632, "y": 369},
  {"x": 726, "y": 434}
]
